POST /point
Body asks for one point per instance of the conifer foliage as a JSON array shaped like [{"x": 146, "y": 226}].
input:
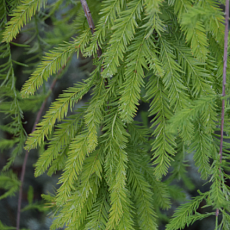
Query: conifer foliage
[{"x": 168, "y": 53}]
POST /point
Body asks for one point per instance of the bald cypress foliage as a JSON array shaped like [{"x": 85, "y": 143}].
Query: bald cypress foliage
[{"x": 166, "y": 53}]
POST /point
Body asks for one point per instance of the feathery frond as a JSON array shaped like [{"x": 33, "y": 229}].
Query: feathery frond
[
  {"x": 110, "y": 10},
  {"x": 58, "y": 111},
  {"x": 134, "y": 74},
  {"x": 184, "y": 214},
  {"x": 115, "y": 167},
  {"x": 171, "y": 79},
  {"x": 99, "y": 214},
  {"x": 143, "y": 196},
  {"x": 94, "y": 113},
  {"x": 195, "y": 32},
  {"x": 61, "y": 137},
  {"x": 124, "y": 29},
  {"x": 164, "y": 144},
  {"x": 8, "y": 92},
  {"x": 53, "y": 62},
  {"x": 20, "y": 16}
]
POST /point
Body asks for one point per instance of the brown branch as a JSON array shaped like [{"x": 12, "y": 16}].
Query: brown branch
[
  {"x": 92, "y": 28},
  {"x": 90, "y": 22},
  {"x": 224, "y": 83},
  {"x": 27, "y": 154}
]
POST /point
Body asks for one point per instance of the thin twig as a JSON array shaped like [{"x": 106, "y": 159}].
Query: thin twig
[
  {"x": 90, "y": 22},
  {"x": 92, "y": 28},
  {"x": 224, "y": 83},
  {"x": 27, "y": 154}
]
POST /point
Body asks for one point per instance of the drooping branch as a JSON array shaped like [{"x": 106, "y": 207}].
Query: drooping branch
[{"x": 224, "y": 82}]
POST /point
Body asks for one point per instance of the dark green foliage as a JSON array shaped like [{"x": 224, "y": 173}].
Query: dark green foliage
[{"x": 168, "y": 53}]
